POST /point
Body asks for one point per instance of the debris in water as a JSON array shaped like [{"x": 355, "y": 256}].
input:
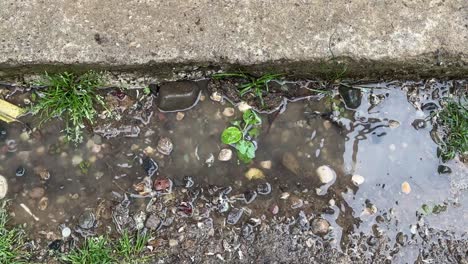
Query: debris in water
[
  {"x": 29, "y": 211},
  {"x": 266, "y": 164},
  {"x": 290, "y": 162},
  {"x": 229, "y": 111},
  {"x": 9, "y": 112},
  {"x": 210, "y": 160}
]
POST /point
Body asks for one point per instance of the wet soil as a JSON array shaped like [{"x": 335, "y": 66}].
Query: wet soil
[{"x": 374, "y": 222}]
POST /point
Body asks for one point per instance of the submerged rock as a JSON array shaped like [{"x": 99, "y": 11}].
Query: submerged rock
[
  {"x": 20, "y": 171},
  {"x": 153, "y": 222},
  {"x": 3, "y": 187},
  {"x": 290, "y": 162},
  {"x": 225, "y": 154},
  {"x": 320, "y": 226},
  {"x": 264, "y": 188},
  {"x": 150, "y": 166},
  {"x": 3, "y": 132},
  {"x": 165, "y": 146},
  {"x": 254, "y": 174},
  {"x": 234, "y": 216},
  {"x": 87, "y": 220},
  {"x": 357, "y": 179},
  {"x": 36, "y": 192},
  {"x": 443, "y": 169},
  {"x": 163, "y": 185},
  {"x": 325, "y": 174},
  {"x": 177, "y": 96},
  {"x": 250, "y": 196},
  {"x": 405, "y": 187},
  {"x": 351, "y": 96}
]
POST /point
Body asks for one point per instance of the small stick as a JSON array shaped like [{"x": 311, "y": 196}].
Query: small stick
[{"x": 29, "y": 212}]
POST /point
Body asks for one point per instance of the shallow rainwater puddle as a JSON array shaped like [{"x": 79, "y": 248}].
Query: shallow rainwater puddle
[{"x": 376, "y": 141}]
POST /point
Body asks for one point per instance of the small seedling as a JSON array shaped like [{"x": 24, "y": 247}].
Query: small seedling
[
  {"x": 71, "y": 97},
  {"x": 94, "y": 250},
  {"x": 11, "y": 240},
  {"x": 258, "y": 86},
  {"x": 453, "y": 119},
  {"x": 241, "y": 135},
  {"x": 129, "y": 248}
]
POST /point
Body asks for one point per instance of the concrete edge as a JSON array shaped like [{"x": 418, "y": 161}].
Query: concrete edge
[{"x": 426, "y": 66}]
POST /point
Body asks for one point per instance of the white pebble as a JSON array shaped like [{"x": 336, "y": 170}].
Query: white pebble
[
  {"x": 325, "y": 174},
  {"x": 229, "y": 111},
  {"x": 266, "y": 164},
  {"x": 3, "y": 187},
  {"x": 217, "y": 97},
  {"x": 357, "y": 179},
  {"x": 76, "y": 160},
  {"x": 225, "y": 154},
  {"x": 243, "y": 106},
  {"x": 66, "y": 232}
]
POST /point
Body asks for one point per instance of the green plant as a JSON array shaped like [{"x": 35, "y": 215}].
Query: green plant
[
  {"x": 258, "y": 86},
  {"x": 453, "y": 119},
  {"x": 128, "y": 247},
  {"x": 94, "y": 250},
  {"x": 433, "y": 209},
  {"x": 241, "y": 135},
  {"x": 11, "y": 240},
  {"x": 72, "y": 97}
]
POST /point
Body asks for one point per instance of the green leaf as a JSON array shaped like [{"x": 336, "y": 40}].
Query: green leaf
[
  {"x": 246, "y": 149},
  {"x": 231, "y": 135},
  {"x": 251, "y": 118},
  {"x": 439, "y": 208},
  {"x": 426, "y": 209}
]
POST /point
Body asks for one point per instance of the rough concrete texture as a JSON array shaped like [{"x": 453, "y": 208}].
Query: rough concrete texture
[{"x": 421, "y": 35}]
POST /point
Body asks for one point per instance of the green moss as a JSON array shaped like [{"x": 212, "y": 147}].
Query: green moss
[{"x": 453, "y": 119}]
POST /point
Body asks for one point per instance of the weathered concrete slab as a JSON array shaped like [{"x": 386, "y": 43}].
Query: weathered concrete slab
[{"x": 418, "y": 36}]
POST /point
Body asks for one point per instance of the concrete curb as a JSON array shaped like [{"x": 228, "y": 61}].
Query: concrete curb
[{"x": 304, "y": 37}]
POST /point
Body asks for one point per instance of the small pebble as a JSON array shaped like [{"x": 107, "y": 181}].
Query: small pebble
[
  {"x": 405, "y": 187},
  {"x": 180, "y": 116},
  {"x": 320, "y": 226},
  {"x": 229, "y": 111},
  {"x": 20, "y": 171},
  {"x": 243, "y": 106},
  {"x": 284, "y": 196},
  {"x": 3, "y": 187},
  {"x": 325, "y": 174},
  {"x": 76, "y": 160},
  {"x": 36, "y": 192},
  {"x": 225, "y": 154},
  {"x": 216, "y": 96},
  {"x": 274, "y": 209},
  {"x": 266, "y": 164},
  {"x": 43, "y": 203},
  {"x": 357, "y": 179},
  {"x": 254, "y": 174},
  {"x": 173, "y": 242},
  {"x": 165, "y": 146},
  {"x": 66, "y": 232}
]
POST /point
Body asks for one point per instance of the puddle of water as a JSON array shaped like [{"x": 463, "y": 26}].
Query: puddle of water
[{"x": 369, "y": 143}]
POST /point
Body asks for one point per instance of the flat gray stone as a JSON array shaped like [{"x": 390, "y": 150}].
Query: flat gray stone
[{"x": 177, "y": 96}]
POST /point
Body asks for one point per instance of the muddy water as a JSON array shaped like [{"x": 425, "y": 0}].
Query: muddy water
[{"x": 376, "y": 141}]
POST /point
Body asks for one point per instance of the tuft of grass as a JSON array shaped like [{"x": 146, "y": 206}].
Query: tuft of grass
[
  {"x": 94, "y": 250},
  {"x": 258, "y": 86},
  {"x": 453, "y": 119},
  {"x": 129, "y": 248},
  {"x": 71, "y": 97},
  {"x": 11, "y": 240}
]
